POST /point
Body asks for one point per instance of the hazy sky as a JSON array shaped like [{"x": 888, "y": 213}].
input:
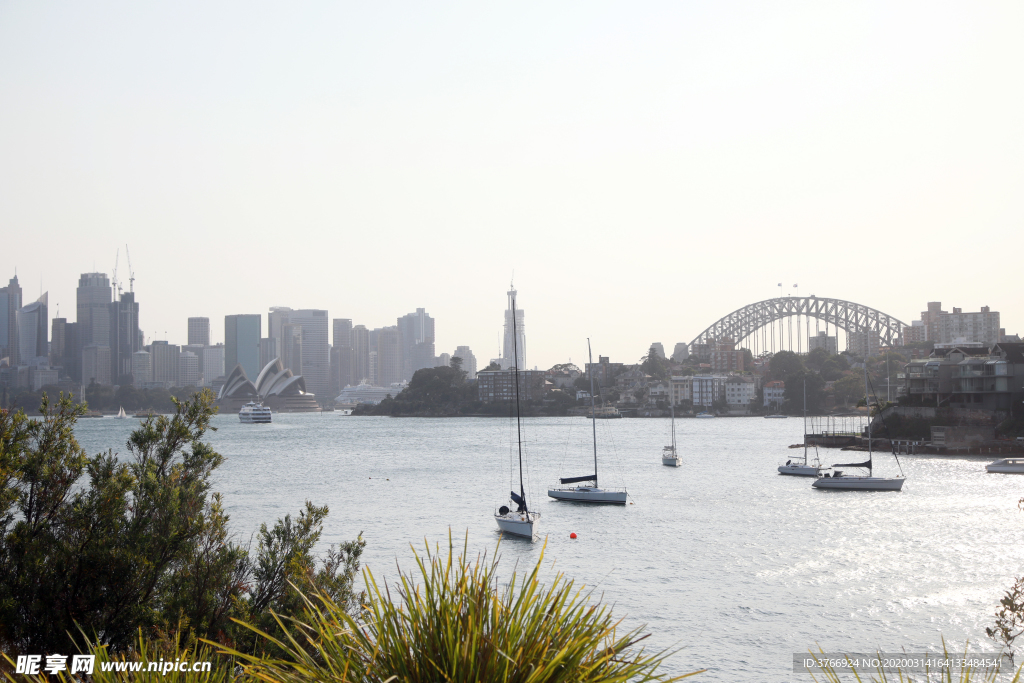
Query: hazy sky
[{"x": 643, "y": 168}]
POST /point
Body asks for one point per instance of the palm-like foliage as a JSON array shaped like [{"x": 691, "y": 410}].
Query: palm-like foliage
[{"x": 453, "y": 620}]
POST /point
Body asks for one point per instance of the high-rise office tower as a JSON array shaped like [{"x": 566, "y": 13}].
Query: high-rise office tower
[
  {"x": 94, "y": 297},
  {"x": 389, "y": 356},
  {"x": 513, "y": 351},
  {"x": 65, "y": 352},
  {"x": 198, "y": 331},
  {"x": 277, "y": 318},
  {"x": 125, "y": 336},
  {"x": 58, "y": 337},
  {"x": 316, "y": 353},
  {"x": 342, "y": 332},
  {"x": 33, "y": 330},
  {"x": 417, "y": 342},
  {"x": 95, "y": 364},
  {"x": 360, "y": 354},
  {"x": 10, "y": 302},
  {"x": 268, "y": 352},
  {"x": 291, "y": 350},
  {"x": 197, "y": 351},
  {"x": 242, "y": 335},
  {"x": 188, "y": 369},
  {"x": 213, "y": 363},
  {"x": 142, "y": 368},
  {"x": 165, "y": 360},
  {"x": 468, "y": 360}
]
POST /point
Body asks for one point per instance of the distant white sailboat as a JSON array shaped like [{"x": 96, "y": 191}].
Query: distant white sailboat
[
  {"x": 842, "y": 482},
  {"x": 803, "y": 469},
  {"x": 121, "y": 415},
  {"x": 592, "y": 493},
  {"x": 521, "y": 522},
  {"x": 669, "y": 454}
]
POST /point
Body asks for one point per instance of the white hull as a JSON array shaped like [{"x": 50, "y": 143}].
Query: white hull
[
  {"x": 671, "y": 461},
  {"x": 704, "y": 415},
  {"x": 519, "y": 523},
  {"x": 775, "y": 417},
  {"x": 589, "y": 494},
  {"x": 846, "y": 483},
  {"x": 254, "y": 413},
  {"x": 801, "y": 470},
  {"x": 1007, "y": 466}
]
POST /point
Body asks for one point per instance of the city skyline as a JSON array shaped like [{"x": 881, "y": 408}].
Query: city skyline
[{"x": 681, "y": 160}]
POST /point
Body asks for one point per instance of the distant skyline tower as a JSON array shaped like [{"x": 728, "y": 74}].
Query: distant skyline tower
[
  {"x": 468, "y": 360},
  {"x": 242, "y": 335},
  {"x": 510, "y": 346},
  {"x": 342, "y": 332},
  {"x": 10, "y": 302},
  {"x": 94, "y": 296},
  {"x": 198, "y": 331},
  {"x": 416, "y": 332},
  {"x": 360, "y": 354},
  {"x": 125, "y": 336},
  {"x": 389, "y": 356},
  {"x": 33, "y": 330},
  {"x": 316, "y": 351}
]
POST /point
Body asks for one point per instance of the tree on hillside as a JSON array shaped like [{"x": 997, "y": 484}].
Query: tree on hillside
[
  {"x": 493, "y": 366},
  {"x": 794, "y": 393},
  {"x": 783, "y": 364},
  {"x": 654, "y": 365},
  {"x": 566, "y": 367},
  {"x": 816, "y": 358},
  {"x": 848, "y": 389},
  {"x": 455, "y": 362},
  {"x": 834, "y": 368}
]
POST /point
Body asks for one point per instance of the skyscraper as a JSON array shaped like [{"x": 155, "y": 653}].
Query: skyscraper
[
  {"x": 95, "y": 364},
  {"x": 510, "y": 346},
  {"x": 125, "y": 336},
  {"x": 94, "y": 297},
  {"x": 389, "y": 356},
  {"x": 342, "y": 332},
  {"x": 199, "y": 331},
  {"x": 291, "y": 350},
  {"x": 10, "y": 302},
  {"x": 213, "y": 363},
  {"x": 316, "y": 350},
  {"x": 165, "y": 360},
  {"x": 417, "y": 342},
  {"x": 242, "y": 343},
  {"x": 341, "y": 355},
  {"x": 33, "y": 330},
  {"x": 277, "y": 318},
  {"x": 360, "y": 354},
  {"x": 268, "y": 351},
  {"x": 468, "y": 360}
]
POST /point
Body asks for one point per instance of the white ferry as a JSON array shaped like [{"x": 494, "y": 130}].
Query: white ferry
[{"x": 254, "y": 413}]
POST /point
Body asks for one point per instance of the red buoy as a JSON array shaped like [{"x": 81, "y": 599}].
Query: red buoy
[{"x": 572, "y": 535}]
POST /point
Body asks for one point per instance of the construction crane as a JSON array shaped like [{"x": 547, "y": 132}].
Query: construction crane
[
  {"x": 113, "y": 280},
  {"x": 131, "y": 273}
]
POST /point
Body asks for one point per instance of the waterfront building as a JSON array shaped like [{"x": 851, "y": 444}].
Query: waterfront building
[
  {"x": 360, "y": 354},
  {"x": 681, "y": 352},
  {"x": 198, "y": 331},
  {"x": 279, "y": 389},
  {"x": 706, "y": 389},
  {"x": 941, "y": 327},
  {"x": 96, "y": 364},
  {"x": 213, "y": 363},
  {"x": 510, "y": 345},
  {"x": 681, "y": 389},
  {"x": 188, "y": 369},
  {"x": 10, "y": 302},
  {"x": 93, "y": 308},
  {"x": 916, "y": 332},
  {"x": 468, "y": 361},
  {"x": 822, "y": 340},
  {"x": 389, "y": 356},
  {"x": 33, "y": 326},
  {"x": 125, "y": 336},
  {"x": 740, "y": 392},
  {"x": 303, "y": 344},
  {"x": 416, "y": 332},
  {"x": 40, "y": 375},
  {"x": 604, "y": 371},
  {"x": 242, "y": 335},
  {"x": 164, "y": 357},
  {"x": 444, "y": 360},
  {"x": 774, "y": 394},
  {"x": 142, "y": 368},
  {"x": 494, "y": 386}
]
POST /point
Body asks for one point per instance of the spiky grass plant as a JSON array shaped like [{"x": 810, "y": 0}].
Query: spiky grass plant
[
  {"x": 958, "y": 674},
  {"x": 454, "y": 620}
]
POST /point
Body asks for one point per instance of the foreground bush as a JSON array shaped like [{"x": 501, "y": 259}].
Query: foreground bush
[{"x": 452, "y": 620}]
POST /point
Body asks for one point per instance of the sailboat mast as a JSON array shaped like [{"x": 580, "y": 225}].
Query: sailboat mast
[
  {"x": 672, "y": 405},
  {"x": 867, "y": 402},
  {"x": 593, "y": 407},
  {"x": 805, "y": 420},
  {"x": 515, "y": 369}
]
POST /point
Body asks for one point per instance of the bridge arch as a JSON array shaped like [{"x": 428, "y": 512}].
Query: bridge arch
[{"x": 743, "y": 324}]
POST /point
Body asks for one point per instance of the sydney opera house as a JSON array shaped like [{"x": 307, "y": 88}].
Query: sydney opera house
[{"x": 277, "y": 387}]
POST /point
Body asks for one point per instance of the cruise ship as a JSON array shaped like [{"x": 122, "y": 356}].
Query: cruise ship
[{"x": 254, "y": 413}]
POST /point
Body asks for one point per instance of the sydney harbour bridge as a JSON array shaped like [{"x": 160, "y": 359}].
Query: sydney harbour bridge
[{"x": 767, "y": 326}]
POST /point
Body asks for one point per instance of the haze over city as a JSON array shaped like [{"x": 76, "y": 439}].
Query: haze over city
[{"x": 642, "y": 170}]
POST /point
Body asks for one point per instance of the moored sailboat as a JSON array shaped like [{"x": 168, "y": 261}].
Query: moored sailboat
[
  {"x": 803, "y": 469},
  {"x": 669, "y": 454},
  {"x": 521, "y": 522},
  {"x": 588, "y": 493}
]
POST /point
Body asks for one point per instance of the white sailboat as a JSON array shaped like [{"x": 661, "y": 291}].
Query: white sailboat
[
  {"x": 121, "y": 415},
  {"x": 843, "y": 482},
  {"x": 521, "y": 522},
  {"x": 669, "y": 454},
  {"x": 588, "y": 493},
  {"x": 803, "y": 469}
]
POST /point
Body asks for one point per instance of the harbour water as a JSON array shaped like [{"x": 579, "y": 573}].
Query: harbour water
[{"x": 736, "y": 566}]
